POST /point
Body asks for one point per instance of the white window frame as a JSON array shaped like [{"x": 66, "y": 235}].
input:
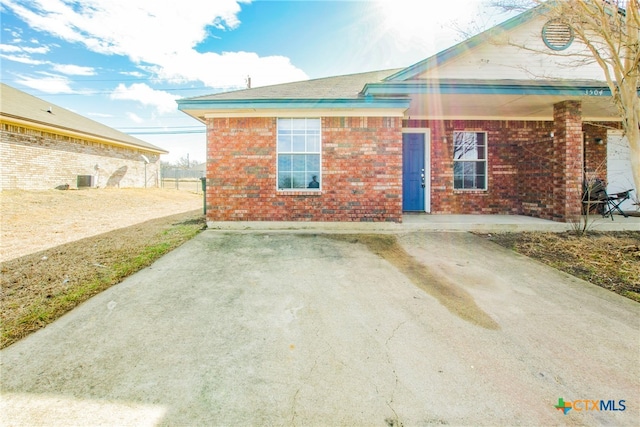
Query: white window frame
[
  {"x": 293, "y": 152},
  {"x": 485, "y": 161}
]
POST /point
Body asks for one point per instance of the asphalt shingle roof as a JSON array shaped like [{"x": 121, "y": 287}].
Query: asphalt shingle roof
[
  {"x": 20, "y": 105},
  {"x": 339, "y": 87}
]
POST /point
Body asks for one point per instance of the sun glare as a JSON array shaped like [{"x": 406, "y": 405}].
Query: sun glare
[{"x": 432, "y": 23}]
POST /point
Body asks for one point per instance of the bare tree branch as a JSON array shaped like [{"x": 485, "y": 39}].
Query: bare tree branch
[{"x": 610, "y": 32}]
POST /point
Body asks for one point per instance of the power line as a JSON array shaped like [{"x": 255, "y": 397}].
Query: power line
[
  {"x": 170, "y": 132},
  {"x": 161, "y": 130},
  {"x": 161, "y": 127}
]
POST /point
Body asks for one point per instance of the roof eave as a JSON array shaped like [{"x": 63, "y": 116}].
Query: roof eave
[
  {"x": 77, "y": 133},
  {"x": 265, "y": 104},
  {"x": 490, "y": 88}
]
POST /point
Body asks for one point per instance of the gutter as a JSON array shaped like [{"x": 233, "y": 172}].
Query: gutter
[
  {"x": 256, "y": 104},
  {"x": 487, "y": 88}
]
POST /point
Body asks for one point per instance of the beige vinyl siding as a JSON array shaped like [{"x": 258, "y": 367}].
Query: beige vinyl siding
[{"x": 501, "y": 60}]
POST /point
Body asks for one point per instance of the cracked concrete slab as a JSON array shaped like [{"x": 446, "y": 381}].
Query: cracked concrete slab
[{"x": 294, "y": 329}]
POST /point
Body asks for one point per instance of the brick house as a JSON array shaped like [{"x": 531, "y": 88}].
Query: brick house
[
  {"x": 43, "y": 146},
  {"x": 483, "y": 127}
]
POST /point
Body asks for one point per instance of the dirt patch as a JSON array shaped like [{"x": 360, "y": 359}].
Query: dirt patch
[
  {"x": 36, "y": 220},
  {"x": 60, "y": 247},
  {"x": 40, "y": 287},
  {"x": 610, "y": 260},
  {"x": 453, "y": 297}
]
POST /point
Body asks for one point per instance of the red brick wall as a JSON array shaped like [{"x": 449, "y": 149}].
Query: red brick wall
[
  {"x": 568, "y": 160},
  {"x": 361, "y": 172},
  {"x": 507, "y": 185},
  {"x": 539, "y": 163},
  {"x": 535, "y": 171},
  {"x": 362, "y": 169},
  {"x": 521, "y": 166}
]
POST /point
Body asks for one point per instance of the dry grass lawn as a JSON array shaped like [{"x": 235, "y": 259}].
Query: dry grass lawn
[
  {"x": 59, "y": 248},
  {"x": 37, "y": 220},
  {"x": 610, "y": 260}
]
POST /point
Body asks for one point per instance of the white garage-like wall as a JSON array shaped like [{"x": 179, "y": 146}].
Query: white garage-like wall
[{"x": 619, "y": 174}]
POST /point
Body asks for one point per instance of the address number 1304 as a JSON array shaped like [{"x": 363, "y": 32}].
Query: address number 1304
[{"x": 593, "y": 92}]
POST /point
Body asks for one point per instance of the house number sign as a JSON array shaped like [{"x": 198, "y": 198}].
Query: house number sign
[{"x": 594, "y": 92}]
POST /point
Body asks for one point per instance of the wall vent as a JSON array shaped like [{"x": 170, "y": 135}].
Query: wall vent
[{"x": 557, "y": 35}]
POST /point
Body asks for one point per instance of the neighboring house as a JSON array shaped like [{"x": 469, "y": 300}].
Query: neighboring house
[
  {"x": 484, "y": 127},
  {"x": 43, "y": 146}
]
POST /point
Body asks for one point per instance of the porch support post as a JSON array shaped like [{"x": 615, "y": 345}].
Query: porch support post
[{"x": 567, "y": 160}]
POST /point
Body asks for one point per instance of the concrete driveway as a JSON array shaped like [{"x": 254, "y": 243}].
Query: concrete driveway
[{"x": 296, "y": 329}]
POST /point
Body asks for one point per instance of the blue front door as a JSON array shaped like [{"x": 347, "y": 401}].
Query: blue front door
[{"x": 413, "y": 173}]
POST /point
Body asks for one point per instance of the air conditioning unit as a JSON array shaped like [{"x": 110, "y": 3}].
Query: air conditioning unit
[{"x": 84, "y": 181}]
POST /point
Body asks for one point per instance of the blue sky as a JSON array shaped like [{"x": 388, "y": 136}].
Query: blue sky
[{"x": 125, "y": 62}]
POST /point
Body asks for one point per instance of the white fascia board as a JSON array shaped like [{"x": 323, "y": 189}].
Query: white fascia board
[{"x": 539, "y": 118}]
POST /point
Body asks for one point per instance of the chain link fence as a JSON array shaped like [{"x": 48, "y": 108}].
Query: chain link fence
[{"x": 182, "y": 179}]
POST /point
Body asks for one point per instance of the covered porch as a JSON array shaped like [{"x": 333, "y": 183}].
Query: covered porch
[
  {"x": 511, "y": 223},
  {"x": 543, "y": 140}
]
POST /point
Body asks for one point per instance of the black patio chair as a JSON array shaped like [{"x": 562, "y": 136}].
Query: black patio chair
[{"x": 595, "y": 197}]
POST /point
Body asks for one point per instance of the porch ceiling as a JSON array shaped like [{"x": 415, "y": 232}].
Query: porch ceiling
[{"x": 505, "y": 106}]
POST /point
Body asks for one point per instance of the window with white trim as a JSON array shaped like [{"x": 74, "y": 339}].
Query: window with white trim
[
  {"x": 470, "y": 160},
  {"x": 299, "y": 154}
]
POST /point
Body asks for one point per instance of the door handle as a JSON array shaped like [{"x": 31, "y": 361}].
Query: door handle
[{"x": 422, "y": 176}]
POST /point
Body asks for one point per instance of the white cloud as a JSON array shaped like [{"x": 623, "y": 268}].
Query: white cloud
[
  {"x": 12, "y": 48},
  {"x": 159, "y": 34},
  {"x": 22, "y": 59},
  {"x": 74, "y": 70},
  {"x": 9, "y": 48},
  {"x": 230, "y": 69},
  {"x": 20, "y": 54},
  {"x": 40, "y": 49},
  {"x": 134, "y": 117},
  {"x": 49, "y": 84},
  {"x": 132, "y": 73},
  {"x": 16, "y": 36},
  {"x": 164, "y": 102}
]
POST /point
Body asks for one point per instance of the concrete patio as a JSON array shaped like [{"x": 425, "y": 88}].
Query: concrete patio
[{"x": 427, "y": 222}]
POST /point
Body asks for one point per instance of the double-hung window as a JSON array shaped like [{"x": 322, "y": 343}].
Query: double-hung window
[
  {"x": 470, "y": 160},
  {"x": 299, "y": 154}
]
